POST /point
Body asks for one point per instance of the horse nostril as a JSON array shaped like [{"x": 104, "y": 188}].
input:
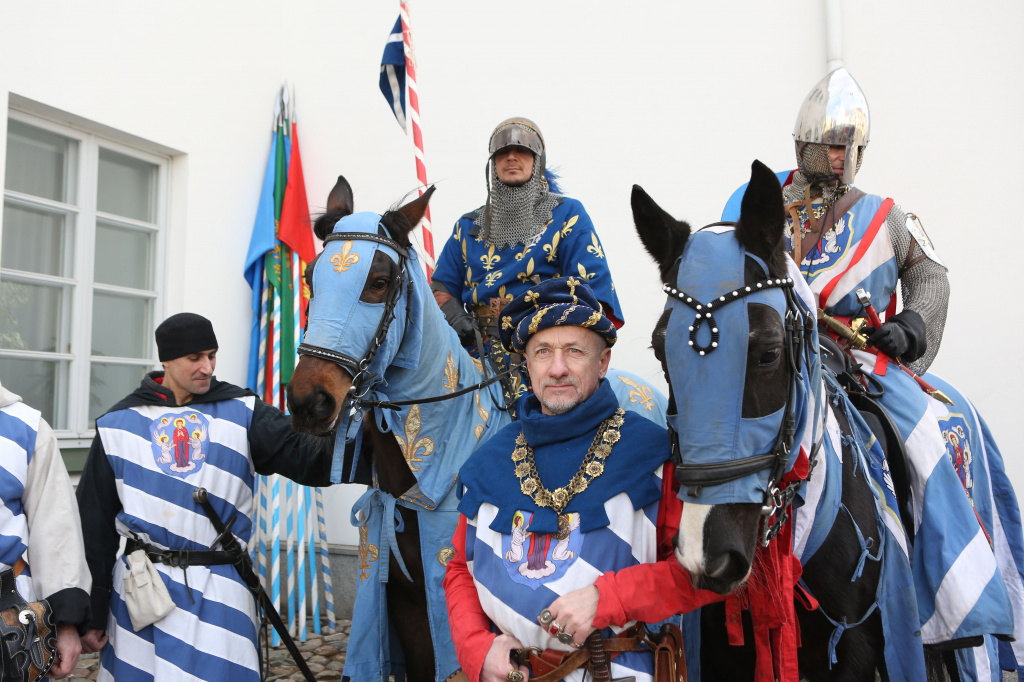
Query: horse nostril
[
  {"x": 323, "y": 405},
  {"x": 728, "y": 566}
]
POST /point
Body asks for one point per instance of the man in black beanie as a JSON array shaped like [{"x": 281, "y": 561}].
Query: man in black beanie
[{"x": 182, "y": 429}]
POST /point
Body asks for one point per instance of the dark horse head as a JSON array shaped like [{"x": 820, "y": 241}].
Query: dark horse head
[
  {"x": 358, "y": 279},
  {"x": 738, "y": 385}
]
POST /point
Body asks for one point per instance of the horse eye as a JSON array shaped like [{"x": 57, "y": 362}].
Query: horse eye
[
  {"x": 770, "y": 357},
  {"x": 380, "y": 284}
]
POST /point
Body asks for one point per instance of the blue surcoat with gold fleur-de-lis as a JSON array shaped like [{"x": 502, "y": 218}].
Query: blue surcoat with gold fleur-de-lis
[{"x": 476, "y": 272}]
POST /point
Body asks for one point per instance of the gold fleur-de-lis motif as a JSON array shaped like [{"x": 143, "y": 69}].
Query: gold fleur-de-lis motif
[
  {"x": 523, "y": 276},
  {"x": 490, "y": 279},
  {"x": 345, "y": 259},
  {"x": 531, "y": 297},
  {"x": 567, "y": 225},
  {"x": 506, "y": 322},
  {"x": 489, "y": 258},
  {"x": 478, "y": 430},
  {"x": 639, "y": 393},
  {"x": 368, "y": 553},
  {"x": 414, "y": 449},
  {"x": 465, "y": 258},
  {"x": 528, "y": 272},
  {"x": 457, "y": 234},
  {"x": 595, "y": 247},
  {"x": 552, "y": 248},
  {"x": 469, "y": 279},
  {"x": 415, "y": 496},
  {"x": 584, "y": 274},
  {"x": 451, "y": 374}
]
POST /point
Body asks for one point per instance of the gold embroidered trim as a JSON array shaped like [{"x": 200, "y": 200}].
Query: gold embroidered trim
[
  {"x": 535, "y": 322},
  {"x": 593, "y": 466}
]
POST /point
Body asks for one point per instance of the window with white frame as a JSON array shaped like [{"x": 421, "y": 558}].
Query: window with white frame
[{"x": 80, "y": 277}]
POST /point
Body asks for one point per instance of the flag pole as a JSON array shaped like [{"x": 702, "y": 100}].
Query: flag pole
[{"x": 417, "y": 134}]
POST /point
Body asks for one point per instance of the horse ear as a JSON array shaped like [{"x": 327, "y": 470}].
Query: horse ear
[
  {"x": 662, "y": 235},
  {"x": 763, "y": 219},
  {"x": 415, "y": 209},
  {"x": 340, "y": 198},
  {"x": 339, "y": 205}
]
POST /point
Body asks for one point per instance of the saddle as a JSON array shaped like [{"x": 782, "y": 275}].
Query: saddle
[{"x": 847, "y": 372}]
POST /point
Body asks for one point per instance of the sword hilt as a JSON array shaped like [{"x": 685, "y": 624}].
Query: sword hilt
[{"x": 849, "y": 332}]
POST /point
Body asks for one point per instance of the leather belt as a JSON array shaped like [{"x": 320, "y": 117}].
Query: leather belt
[
  {"x": 550, "y": 665},
  {"x": 180, "y": 558}
]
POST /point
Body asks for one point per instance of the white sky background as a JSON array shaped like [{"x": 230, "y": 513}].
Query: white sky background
[{"x": 678, "y": 97}]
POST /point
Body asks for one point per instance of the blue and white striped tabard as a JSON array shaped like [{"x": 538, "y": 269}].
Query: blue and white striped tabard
[
  {"x": 575, "y": 562},
  {"x": 941, "y": 558},
  {"x": 159, "y": 455},
  {"x": 19, "y": 425},
  {"x": 518, "y": 574}
]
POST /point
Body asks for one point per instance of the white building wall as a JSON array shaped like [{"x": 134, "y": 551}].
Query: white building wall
[{"x": 677, "y": 97}]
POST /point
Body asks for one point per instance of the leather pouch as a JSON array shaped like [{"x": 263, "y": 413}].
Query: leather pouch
[
  {"x": 669, "y": 657},
  {"x": 28, "y": 635}
]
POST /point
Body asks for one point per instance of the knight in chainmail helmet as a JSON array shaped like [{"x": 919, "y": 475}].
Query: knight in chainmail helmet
[
  {"x": 518, "y": 205},
  {"x": 524, "y": 233},
  {"x": 854, "y": 249},
  {"x": 828, "y": 218}
]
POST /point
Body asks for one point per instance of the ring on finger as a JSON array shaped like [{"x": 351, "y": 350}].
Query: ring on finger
[
  {"x": 555, "y": 629},
  {"x": 514, "y": 676},
  {"x": 566, "y": 638}
]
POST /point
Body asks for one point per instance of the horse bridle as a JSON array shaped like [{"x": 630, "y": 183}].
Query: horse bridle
[
  {"x": 798, "y": 330},
  {"x": 359, "y": 369}
]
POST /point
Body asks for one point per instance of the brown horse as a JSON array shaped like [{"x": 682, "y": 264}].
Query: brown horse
[{"x": 397, "y": 445}]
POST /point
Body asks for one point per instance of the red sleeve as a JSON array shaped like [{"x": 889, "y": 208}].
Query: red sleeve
[
  {"x": 470, "y": 626},
  {"x": 652, "y": 592},
  {"x": 669, "y": 511}
]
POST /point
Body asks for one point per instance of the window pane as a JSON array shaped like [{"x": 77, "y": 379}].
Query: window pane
[
  {"x": 122, "y": 256},
  {"x": 109, "y": 383},
  {"x": 34, "y": 240},
  {"x": 127, "y": 186},
  {"x": 120, "y": 326},
  {"x": 36, "y": 382},
  {"x": 30, "y": 316},
  {"x": 40, "y": 163}
]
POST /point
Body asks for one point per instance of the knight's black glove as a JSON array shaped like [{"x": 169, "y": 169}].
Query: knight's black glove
[
  {"x": 901, "y": 336},
  {"x": 461, "y": 321}
]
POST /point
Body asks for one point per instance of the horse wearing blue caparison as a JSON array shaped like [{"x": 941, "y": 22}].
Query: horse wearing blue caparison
[
  {"x": 955, "y": 563},
  {"x": 758, "y": 425},
  {"x": 376, "y": 338}
]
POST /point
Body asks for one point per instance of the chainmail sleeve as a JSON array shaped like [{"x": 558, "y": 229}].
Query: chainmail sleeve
[{"x": 924, "y": 285}]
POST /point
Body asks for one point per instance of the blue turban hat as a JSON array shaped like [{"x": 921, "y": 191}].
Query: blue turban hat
[{"x": 562, "y": 301}]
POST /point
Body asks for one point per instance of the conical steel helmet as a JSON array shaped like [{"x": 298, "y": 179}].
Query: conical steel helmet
[{"x": 835, "y": 112}]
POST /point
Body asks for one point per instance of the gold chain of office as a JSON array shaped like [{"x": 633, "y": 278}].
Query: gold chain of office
[{"x": 592, "y": 466}]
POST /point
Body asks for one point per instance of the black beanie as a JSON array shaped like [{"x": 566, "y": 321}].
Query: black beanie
[{"x": 184, "y": 334}]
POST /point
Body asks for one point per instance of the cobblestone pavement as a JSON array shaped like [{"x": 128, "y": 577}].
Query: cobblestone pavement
[{"x": 325, "y": 655}]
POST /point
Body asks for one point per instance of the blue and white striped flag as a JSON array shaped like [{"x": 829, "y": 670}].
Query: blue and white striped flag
[{"x": 392, "y": 73}]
